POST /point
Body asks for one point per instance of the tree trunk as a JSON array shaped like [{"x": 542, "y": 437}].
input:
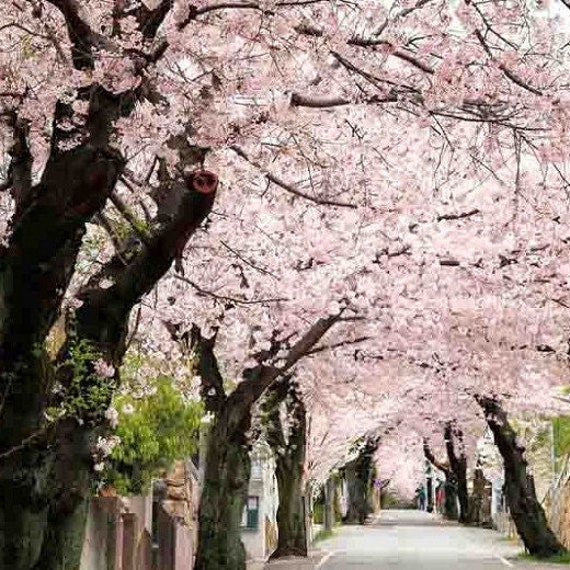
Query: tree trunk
[
  {"x": 450, "y": 504},
  {"x": 525, "y": 509},
  {"x": 358, "y": 473},
  {"x": 330, "y": 497},
  {"x": 227, "y": 460},
  {"x": 45, "y": 468},
  {"x": 35, "y": 270},
  {"x": 479, "y": 505},
  {"x": 224, "y": 494},
  {"x": 429, "y": 492},
  {"x": 458, "y": 465},
  {"x": 463, "y": 494},
  {"x": 71, "y": 486},
  {"x": 289, "y": 454},
  {"x": 291, "y": 530}
]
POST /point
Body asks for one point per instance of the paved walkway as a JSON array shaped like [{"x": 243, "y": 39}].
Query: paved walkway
[{"x": 412, "y": 540}]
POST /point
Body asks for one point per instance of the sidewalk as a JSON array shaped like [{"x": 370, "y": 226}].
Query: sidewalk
[{"x": 315, "y": 554}]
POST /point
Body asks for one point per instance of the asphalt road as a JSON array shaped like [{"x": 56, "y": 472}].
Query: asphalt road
[{"x": 412, "y": 540}]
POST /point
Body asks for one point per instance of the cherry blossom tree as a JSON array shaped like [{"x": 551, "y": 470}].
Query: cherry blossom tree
[
  {"x": 286, "y": 432},
  {"x": 361, "y": 154}
]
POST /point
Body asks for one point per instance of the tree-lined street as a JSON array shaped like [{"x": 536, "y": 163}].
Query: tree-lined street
[
  {"x": 321, "y": 246},
  {"x": 413, "y": 540}
]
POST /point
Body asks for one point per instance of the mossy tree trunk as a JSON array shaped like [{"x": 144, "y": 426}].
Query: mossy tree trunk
[
  {"x": 35, "y": 270},
  {"x": 479, "y": 506},
  {"x": 288, "y": 440},
  {"x": 46, "y": 467},
  {"x": 520, "y": 493},
  {"x": 329, "y": 518}
]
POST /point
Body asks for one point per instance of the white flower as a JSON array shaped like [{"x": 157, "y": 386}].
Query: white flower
[
  {"x": 99, "y": 467},
  {"x": 106, "y": 445},
  {"x": 75, "y": 303},
  {"x": 112, "y": 417},
  {"x": 104, "y": 369},
  {"x": 128, "y": 409}
]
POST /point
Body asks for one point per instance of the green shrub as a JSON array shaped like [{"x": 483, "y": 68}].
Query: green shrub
[{"x": 154, "y": 431}]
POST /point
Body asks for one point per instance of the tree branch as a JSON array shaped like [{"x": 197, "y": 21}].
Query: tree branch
[
  {"x": 103, "y": 317},
  {"x": 83, "y": 38},
  {"x": 507, "y": 72},
  {"x": 459, "y": 216},
  {"x": 259, "y": 378},
  {"x": 45, "y": 239},
  {"x": 288, "y": 187},
  {"x": 432, "y": 459},
  {"x": 339, "y": 344}
]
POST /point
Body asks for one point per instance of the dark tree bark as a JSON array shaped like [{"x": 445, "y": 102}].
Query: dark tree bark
[
  {"x": 289, "y": 445},
  {"x": 35, "y": 270},
  {"x": 102, "y": 324},
  {"x": 227, "y": 459},
  {"x": 458, "y": 465},
  {"x": 429, "y": 493},
  {"x": 330, "y": 499},
  {"x": 525, "y": 509},
  {"x": 358, "y": 474},
  {"x": 450, "y": 504},
  {"x": 45, "y": 468}
]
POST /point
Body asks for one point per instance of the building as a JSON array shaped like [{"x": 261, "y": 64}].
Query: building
[{"x": 259, "y": 522}]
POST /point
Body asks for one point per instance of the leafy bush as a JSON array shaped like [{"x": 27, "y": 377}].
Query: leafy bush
[{"x": 154, "y": 431}]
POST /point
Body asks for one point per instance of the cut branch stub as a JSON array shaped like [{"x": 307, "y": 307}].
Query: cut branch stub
[{"x": 202, "y": 181}]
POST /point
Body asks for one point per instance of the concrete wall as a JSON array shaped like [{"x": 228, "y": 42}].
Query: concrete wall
[
  {"x": 118, "y": 534},
  {"x": 100, "y": 548}
]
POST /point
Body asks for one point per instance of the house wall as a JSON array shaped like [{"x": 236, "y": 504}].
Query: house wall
[{"x": 259, "y": 543}]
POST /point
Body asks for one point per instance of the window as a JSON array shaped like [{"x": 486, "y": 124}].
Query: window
[
  {"x": 250, "y": 518},
  {"x": 256, "y": 471}
]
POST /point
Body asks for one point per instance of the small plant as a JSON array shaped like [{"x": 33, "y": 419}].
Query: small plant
[
  {"x": 323, "y": 534},
  {"x": 562, "y": 558},
  {"x": 85, "y": 387}
]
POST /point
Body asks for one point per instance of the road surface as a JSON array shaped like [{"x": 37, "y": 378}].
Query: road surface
[{"x": 412, "y": 540}]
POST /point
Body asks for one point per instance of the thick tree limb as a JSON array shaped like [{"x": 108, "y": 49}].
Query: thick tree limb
[
  {"x": 38, "y": 263},
  {"x": 259, "y": 378},
  {"x": 299, "y": 100},
  {"x": 270, "y": 407},
  {"x": 428, "y": 453},
  {"x": 104, "y": 313},
  {"x": 20, "y": 170},
  {"x": 212, "y": 387},
  {"x": 83, "y": 38}
]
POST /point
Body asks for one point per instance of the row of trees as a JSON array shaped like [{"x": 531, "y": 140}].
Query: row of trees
[
  {"x": 524, "y": 506},
  {"x": 359, "y": 221}
]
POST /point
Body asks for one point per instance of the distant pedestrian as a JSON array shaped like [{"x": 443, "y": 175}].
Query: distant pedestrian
[{"x": 421, "y": 498}]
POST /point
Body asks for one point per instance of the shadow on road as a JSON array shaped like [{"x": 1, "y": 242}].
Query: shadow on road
[{"x": 409, "y": 518}]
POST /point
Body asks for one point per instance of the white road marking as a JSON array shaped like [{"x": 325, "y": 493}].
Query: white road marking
[
  {"x": 325, "y": 559},
  {"x": 505, "y": 561}
]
